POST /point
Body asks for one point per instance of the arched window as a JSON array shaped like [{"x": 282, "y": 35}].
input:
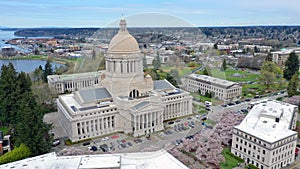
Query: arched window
[{"x": 134, "y": 93}]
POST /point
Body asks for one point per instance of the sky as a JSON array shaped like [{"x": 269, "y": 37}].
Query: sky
[{"x": 155, "y": 13}]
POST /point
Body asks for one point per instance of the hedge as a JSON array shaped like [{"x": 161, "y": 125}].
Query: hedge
[{"x": 16, "y": 154}]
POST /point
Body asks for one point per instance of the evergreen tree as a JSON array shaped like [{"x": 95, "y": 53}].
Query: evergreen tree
[
  {"x": 216, "y": 46},
  {"x": 93, "y": 54},
  {"x": 156, "y": 62},
  {"x": 224, "y": 65},
  {"x": 171, "y": 79},
  {"x": 293, "y": 85},
  {"x": 23, "y": 83},
  {"x": 8, "y": 94},
  {"x": 30, "y": 128},
  {"x": 38, "y": 73},
  {"x": 48, "y": 70},
  {"x": 269, "y": 57},
  {"x": 291, "y": 66}
]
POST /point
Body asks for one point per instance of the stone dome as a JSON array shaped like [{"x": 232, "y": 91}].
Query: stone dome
[{"x": 123, "y": 42}]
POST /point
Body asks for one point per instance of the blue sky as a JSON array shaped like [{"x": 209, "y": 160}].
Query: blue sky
[{"x": 102, "y": 13}]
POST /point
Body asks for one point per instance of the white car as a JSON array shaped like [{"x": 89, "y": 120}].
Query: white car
[
  {"x": 105, "y": 138},
  {"x": 56, "y": 142}
]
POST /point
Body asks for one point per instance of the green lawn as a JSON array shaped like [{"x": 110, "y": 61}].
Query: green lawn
[
  {"x": 181, "y": 71},
  {"x": 210, "y": 122},
  {"x": 245, "y": 76},
  {"x": 230, "y": 161}
]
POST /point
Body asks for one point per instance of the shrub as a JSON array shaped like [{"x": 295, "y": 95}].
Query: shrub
[
  {"x": 251, "y": 166},
  {"x": 16, "y": 154},
  {"x": 68, "y": 142}
]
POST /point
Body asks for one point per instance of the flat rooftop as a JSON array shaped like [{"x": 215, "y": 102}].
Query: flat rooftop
[
  {"x": 211, "y": 80},
  {"x": 269, "y": 121},
  {"x": 139, "y": 160},
  {"x": 75, "y": 76}
]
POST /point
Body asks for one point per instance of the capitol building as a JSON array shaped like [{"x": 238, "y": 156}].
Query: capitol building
[{"x": 119, "y": 99}]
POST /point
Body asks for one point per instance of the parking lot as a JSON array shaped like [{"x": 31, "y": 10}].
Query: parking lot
[
  {"x": 175, "y": 131},
  {"x": 173, "y": 134}
]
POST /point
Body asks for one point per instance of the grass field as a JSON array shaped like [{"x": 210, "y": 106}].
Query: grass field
[
  {"x": 230, "y": 161},
  {"x": 181, "y": 71},
  {"x": 245, "y": 76}
]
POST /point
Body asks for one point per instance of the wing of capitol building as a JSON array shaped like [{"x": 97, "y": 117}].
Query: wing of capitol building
[{"x": 119, "y": 99}]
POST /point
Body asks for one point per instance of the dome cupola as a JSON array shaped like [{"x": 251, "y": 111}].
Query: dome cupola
[{"x": 123, "y": 42}]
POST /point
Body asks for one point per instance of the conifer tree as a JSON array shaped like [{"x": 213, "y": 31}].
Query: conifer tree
[
  {"x": 291, "y": 66},
  {"x": 47, "y": 71},
  {"x": 293, "y": 85},
  {"x": 8, "y": 94}
]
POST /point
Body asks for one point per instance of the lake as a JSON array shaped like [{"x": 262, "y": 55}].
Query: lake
[
  {"x": 21, "y": 65},
  {"x": 28, "y": 65}
]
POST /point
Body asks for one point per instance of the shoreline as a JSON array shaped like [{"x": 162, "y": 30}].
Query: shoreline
[{"x": 35, "y": 58}]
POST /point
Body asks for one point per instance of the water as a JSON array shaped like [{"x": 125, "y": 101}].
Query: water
[
  {"x": 28, "y": 65},
  {"x": 21, "y": 65},
  {"x": 6, "y": 35}
]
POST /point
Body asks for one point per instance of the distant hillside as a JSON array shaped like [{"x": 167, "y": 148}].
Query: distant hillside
[{"x": 71, "y": 32}]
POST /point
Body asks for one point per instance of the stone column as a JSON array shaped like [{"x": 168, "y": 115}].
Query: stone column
[
  {"x": 149, "y": 120},
  {"x": 145, "y": 120},
  {"x": 141, "y": 121},
  {"x": 156, "y": 118},
  {"x": 102, "y": 124}
]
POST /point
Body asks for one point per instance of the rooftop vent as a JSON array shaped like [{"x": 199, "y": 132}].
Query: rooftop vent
[{"x": 277, "y": 119}]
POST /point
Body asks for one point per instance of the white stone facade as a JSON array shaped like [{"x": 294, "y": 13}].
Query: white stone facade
[
  {"x": 72, "y": 82},
  {"x": 123, "y": 100},
  {"x": 222, "y": 89},
  {"x": 265, "y": 138}
]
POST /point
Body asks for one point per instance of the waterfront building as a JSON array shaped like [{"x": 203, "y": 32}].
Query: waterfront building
[
  {"x": 123, "y": 100},
  {"x": 8, "y": 51},
  {"x": 265, "y": 138},
  {"x": 222, "y": 89}
]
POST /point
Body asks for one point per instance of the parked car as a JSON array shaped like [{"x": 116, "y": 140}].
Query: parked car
[
  {"x": 129, "y": 144},
  {"x": 230, "y": 104},
  {"x": 56, "y": 142},
  {"x": 257, "y": 96},
  {"x": 93, "y": 148},
  {"x": 86, "y": 143},
  {"x": 247, "y": 100},
  {"x": 137, "y": 140},
  {"x": 171, "y": 122},
  {"x": 244, "y": 110},
  {"x": 177, "y": 121},
  {"x": 237, "y": 102},
  {"x": 104, "y": 148},
  {"x": 105, "y": 138}
]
